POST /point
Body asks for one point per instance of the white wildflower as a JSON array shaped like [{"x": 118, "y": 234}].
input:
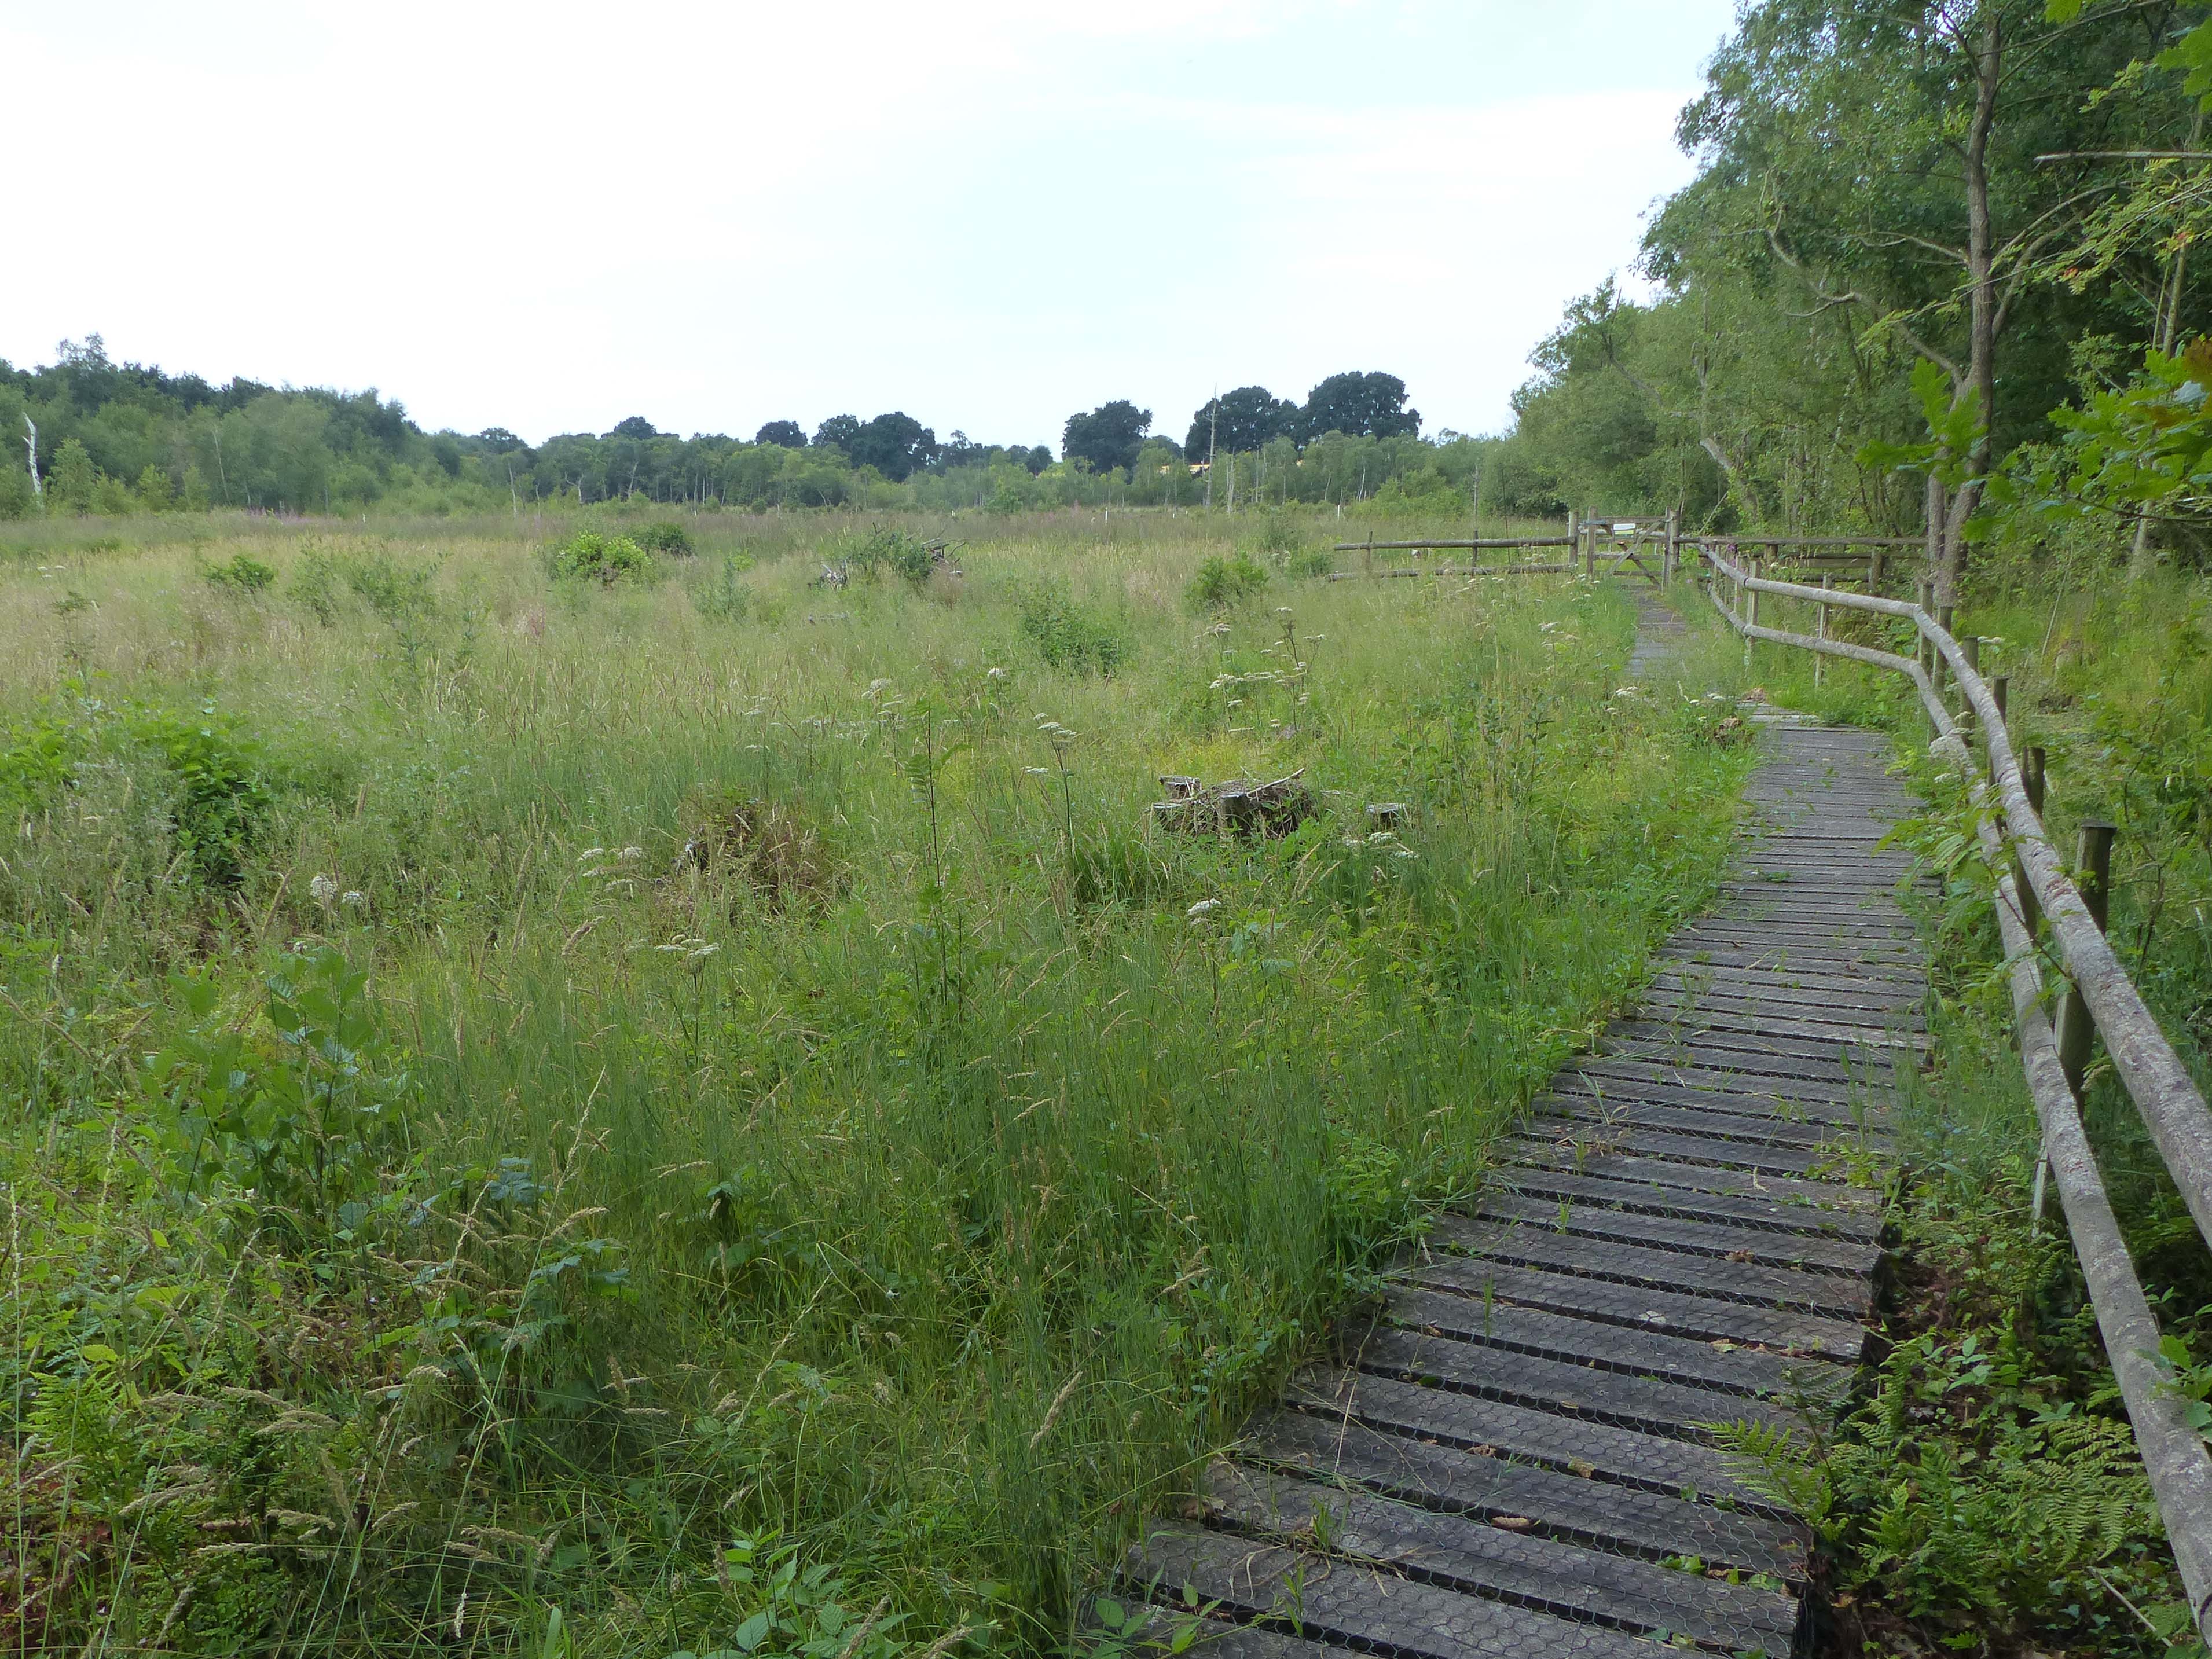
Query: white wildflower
[
  {"x": 353, "y": 898},
  {"x": 1202, "y": 909},
  {"x": 324, "y": 890}
]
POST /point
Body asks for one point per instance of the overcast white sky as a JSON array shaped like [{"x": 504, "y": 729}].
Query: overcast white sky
[{"x": 987, "y": 213}]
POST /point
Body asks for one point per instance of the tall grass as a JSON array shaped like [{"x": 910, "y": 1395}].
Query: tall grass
[{"x": 699, "y": 1113}]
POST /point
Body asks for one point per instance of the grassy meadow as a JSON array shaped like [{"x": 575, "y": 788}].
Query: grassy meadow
[{"x": 562, "y": 1105}]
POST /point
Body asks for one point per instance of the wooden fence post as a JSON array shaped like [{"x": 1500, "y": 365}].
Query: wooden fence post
[
  {"x": 2031, "y": 783},
  {"x": 1923, "y": 649},
  {"x": 1750, "y": 607},
  {"x": 1820, "y": 631},
  {"x": 1672, "y": 558},
  {"x": 2093, "y": 852}
]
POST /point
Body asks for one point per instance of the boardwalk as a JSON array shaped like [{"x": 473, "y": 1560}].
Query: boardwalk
[{"x": 1513, "y": 1458}]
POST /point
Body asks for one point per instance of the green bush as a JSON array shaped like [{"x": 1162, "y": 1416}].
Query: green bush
[
  {"x": 306, "y": 1123},
  {"x": 243, "y": 574},
  {"x": 665, "y": 536},
  {"x": 315, "y": 582},
  {"x": 723, "y": 597},
  {"x": 36, "y": 759},
  {"x": 899, "y": 551},
  {"x": 220, "y": 800},
  {"x": 17, "y": 499},
  {"x": 1220, "y": 583},
  {"x": 1069, "y": 636},
  {"x": 590, "y": 555},
  {"x": 399, "y": 592}
]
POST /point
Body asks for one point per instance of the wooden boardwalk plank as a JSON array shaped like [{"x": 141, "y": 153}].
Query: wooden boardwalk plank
[
  {"x": 1338, "y": 1602},
  {"x": 1497, "y": 1428},
  {"x": 1707, "y": 1235},
  {"x": 1432, "y": 1329},
  {"x": 1467, "y": 1554}
]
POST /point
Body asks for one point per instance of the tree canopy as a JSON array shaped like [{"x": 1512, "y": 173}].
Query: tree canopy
[
  {"x": 1109, "y": 437},
  {"x": 1359, "y": 405},
  {"x": 1245, "y": 419},
  {"x": 1958, "y": 185}
]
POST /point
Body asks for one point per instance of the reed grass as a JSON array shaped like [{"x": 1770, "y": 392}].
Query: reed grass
[{"x": 700, "y": 1116}]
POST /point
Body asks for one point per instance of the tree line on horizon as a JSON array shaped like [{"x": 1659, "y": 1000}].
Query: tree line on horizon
[{"x": 109, "y": 438}]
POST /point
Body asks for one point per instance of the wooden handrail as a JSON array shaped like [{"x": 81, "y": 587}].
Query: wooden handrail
[
  {"x": 1494, "y": 541},
  {"x": 2174, "y": 1455}
]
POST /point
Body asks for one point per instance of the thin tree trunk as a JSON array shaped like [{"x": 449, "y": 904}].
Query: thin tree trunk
[{"x": 1981, "y": 355}]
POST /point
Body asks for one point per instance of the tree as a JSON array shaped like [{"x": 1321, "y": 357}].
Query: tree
[
  {"x": 1880, "y": 159},
  {"x": 635, "y": 427},
  {"x": 895, "y": 445},
  {"x": 1109, "y": 437},
  {"x": 837, "y": 433},
  {"x": 1248, "y": 416},
  {"x": 1358, "y": 405},
  {"x": 784, "y": 435},
  {"x": 73, "y": 476}
]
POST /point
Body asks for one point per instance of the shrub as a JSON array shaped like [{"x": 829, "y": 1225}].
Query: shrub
[
  {"x": 242, "y": 574},
  {"x": 1280, "y": 537},
  {"x": 36, "y": 759},
  {"x": 306, "y": 1123},
  {"x": 314, "y": 584},
  {"x": 665, "y": 536},
  {"x": 17, "y": 499},
  {"x": 1220, "y": 583},
  {"x": 723, "y": 597},
  {"x": 900, "y": 551},
  {"x": 589, "y": 555},
  {"x": 221, "y": 799},
  {"x": 1070, "y": 636},
  {"x": 397, "y": 593}
]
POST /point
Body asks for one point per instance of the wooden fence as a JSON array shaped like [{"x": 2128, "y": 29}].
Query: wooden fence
[{"x": 2048, "y": 914}]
